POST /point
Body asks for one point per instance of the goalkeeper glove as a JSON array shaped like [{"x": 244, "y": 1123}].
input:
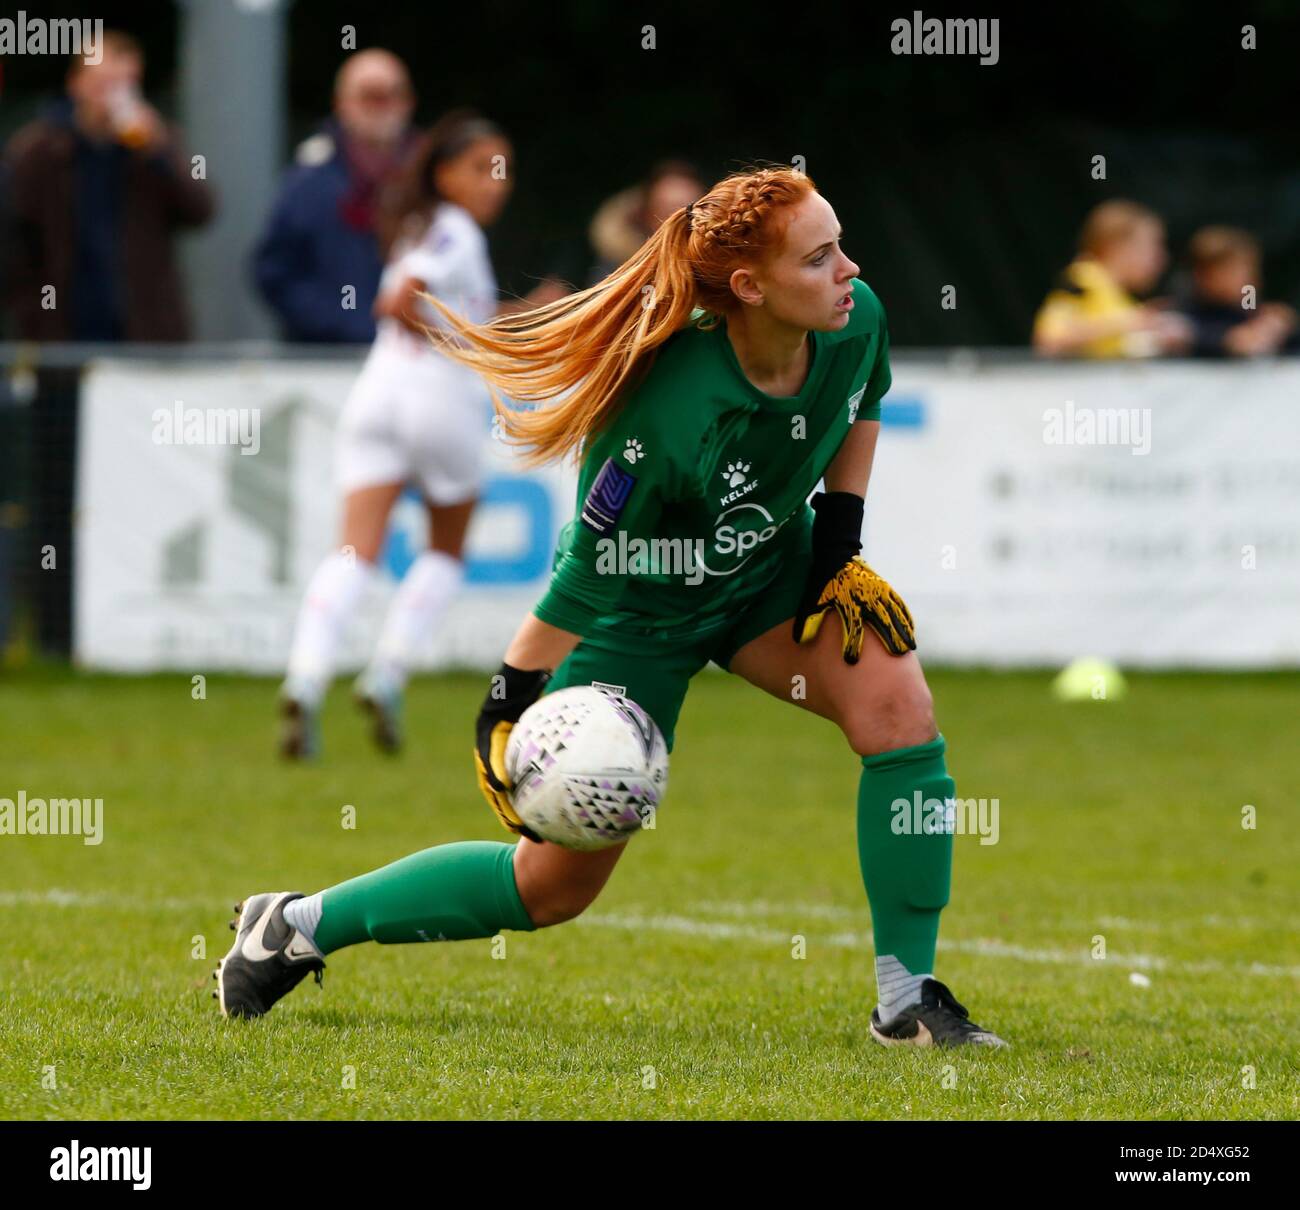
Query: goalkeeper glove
[
  {"x": 512, "y": 692},
  {"x": 840, "y": 579}
]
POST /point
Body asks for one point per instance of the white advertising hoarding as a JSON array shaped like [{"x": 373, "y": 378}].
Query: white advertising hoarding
[
  {"x": 192, "y": 554},
  {"x": 1148, "y": 513},
  {"x": 1029, "y": 513}
]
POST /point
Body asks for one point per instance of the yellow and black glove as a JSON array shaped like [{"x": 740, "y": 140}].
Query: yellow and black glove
[
  {"x": 511, "y": 693},
  {"x": 840, "y": 579}
]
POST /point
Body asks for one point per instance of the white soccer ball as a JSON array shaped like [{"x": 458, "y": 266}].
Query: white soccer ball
[{"x": 588, "y": 768}]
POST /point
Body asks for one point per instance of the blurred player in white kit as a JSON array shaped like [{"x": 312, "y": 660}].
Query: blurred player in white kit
[{"x": 413, "y": 417}]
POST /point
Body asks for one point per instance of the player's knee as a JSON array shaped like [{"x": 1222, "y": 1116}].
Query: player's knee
[
  {"x": 556, "y": 884},
  {"x": 899, "y": 714},
  {"x": 557, "y": 906}
]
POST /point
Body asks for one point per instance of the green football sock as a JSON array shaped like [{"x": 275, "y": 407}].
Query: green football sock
[
  {"x": 905, "y": 853},
  {"x": 452, "y": 892}
]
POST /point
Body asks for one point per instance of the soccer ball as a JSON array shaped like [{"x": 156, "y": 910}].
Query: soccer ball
[{"x": 588, "y": 767}]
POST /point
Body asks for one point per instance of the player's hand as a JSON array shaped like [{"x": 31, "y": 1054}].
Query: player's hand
[
  {"x": 862, "y": 599},
  {"x": 840, "y": 580},
  {"x": 1280, "y": 313},
  {"x": 400, "y": 303},
  {"x": 511, "y": 693},
  {"x": 1173, "y": 332}
]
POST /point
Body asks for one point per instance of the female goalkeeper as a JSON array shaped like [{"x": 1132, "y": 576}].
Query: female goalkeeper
[{"x": 710, "y": 384}]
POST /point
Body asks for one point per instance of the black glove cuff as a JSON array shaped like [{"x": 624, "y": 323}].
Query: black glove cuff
[
  {"x": 517, "y": 690},
  {"x": 837, "y": 529}
]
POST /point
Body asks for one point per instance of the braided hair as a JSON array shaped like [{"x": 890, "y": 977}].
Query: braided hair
[{"x": 740, "y": 220}]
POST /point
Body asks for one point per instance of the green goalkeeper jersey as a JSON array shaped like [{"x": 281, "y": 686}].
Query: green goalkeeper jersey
[{"x": 690, "y": 496}]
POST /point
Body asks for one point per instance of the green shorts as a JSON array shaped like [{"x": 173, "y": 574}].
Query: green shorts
[{"x": 655, "y": 672}]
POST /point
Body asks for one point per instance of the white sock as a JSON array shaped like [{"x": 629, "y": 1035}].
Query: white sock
[
  {"x": 331, "y": 599},
  {"x": 417, "y": 607},
  {"x": 304, "y": 915},
  {"x": 896, "y": 986}
]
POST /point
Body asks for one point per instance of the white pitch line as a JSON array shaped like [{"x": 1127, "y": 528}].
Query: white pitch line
[
  {"x": 826, "y": 911},
  {"x": 1240, "y": 923},
  {"x": 983, "y": 946},
  {"x": 762, "y": 907},
  {"x": 55, "y": 897},
  {"x": 692, "y": 926}
]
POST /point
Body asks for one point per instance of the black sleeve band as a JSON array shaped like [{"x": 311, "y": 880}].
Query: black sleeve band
[
  {"x": 838, "y": 527},
  {"x": 512, "y": 691}
]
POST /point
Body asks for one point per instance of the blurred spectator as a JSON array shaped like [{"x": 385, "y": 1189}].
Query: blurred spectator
[
  {"x": 8, "y": 245},
  {"x": 1227, "y": 319},
  {"x": 97, "y": 190},
  {"x": 321, "y": 238},
  {"x": 1092, "y": 311},
  {"x": 625, "y": 221}
]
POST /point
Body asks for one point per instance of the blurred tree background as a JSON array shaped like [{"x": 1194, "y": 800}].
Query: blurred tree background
[{"x": 943, "y": 171}]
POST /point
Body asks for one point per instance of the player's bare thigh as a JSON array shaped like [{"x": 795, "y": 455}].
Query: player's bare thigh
[
  {"x": 557, "y": 884},
  {"x": 365, "y": 518},
  {"x": 880, "y": 703},
  {"x": 447, "y": 526}
]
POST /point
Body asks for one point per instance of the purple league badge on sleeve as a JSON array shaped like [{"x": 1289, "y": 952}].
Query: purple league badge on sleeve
[{"x": 608, "y": 494}]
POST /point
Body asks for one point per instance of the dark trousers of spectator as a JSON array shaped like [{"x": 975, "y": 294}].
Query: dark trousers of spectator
[{"x": 53, "y": 476}]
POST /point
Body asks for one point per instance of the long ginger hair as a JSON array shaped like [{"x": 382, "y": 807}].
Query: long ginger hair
[{"x": 590, "y": 346}]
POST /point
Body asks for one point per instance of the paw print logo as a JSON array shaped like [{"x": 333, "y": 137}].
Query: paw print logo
[
  {"x": 735, "y": 473},
  {"x": 632, "y": 451}
]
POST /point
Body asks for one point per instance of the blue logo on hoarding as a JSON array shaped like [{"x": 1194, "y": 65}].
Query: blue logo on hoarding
[
  {"x": 902, "y": 412},
  {"x": 402, "y": 546}
]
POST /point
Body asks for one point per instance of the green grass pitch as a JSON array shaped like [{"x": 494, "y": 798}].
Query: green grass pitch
[{"x": 678, "y": 994}]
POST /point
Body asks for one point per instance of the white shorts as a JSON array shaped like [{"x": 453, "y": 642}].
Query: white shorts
[{"x": 414, "y": 418}]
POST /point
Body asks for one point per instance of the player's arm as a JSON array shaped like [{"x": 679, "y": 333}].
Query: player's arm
[
  {"x": 838, "y": 578},
  {"x": 425, "y": 268},
  {"x": 537, "y": 649},
  {"x": 538, "y": 644},
  {"x": 400, "y": 303},
  {"x": 1061, "y": 329},
  {"x": 577, "y": 595},
  {"x": 850, "y": 469},
  {"x": 632, "y": 468},
  {"x": 622, "y": 495}
]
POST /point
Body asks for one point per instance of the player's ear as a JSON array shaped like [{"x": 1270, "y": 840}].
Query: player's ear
[{"x": 746, "y": 288}]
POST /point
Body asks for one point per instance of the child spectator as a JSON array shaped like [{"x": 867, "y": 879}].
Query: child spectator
[
  {"x": 1092, "y": 311},
  {"x": 1227, "y": 319}
]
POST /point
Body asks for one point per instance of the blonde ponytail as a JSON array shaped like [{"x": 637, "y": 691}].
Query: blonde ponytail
[{"x": 589, "y": 347}]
